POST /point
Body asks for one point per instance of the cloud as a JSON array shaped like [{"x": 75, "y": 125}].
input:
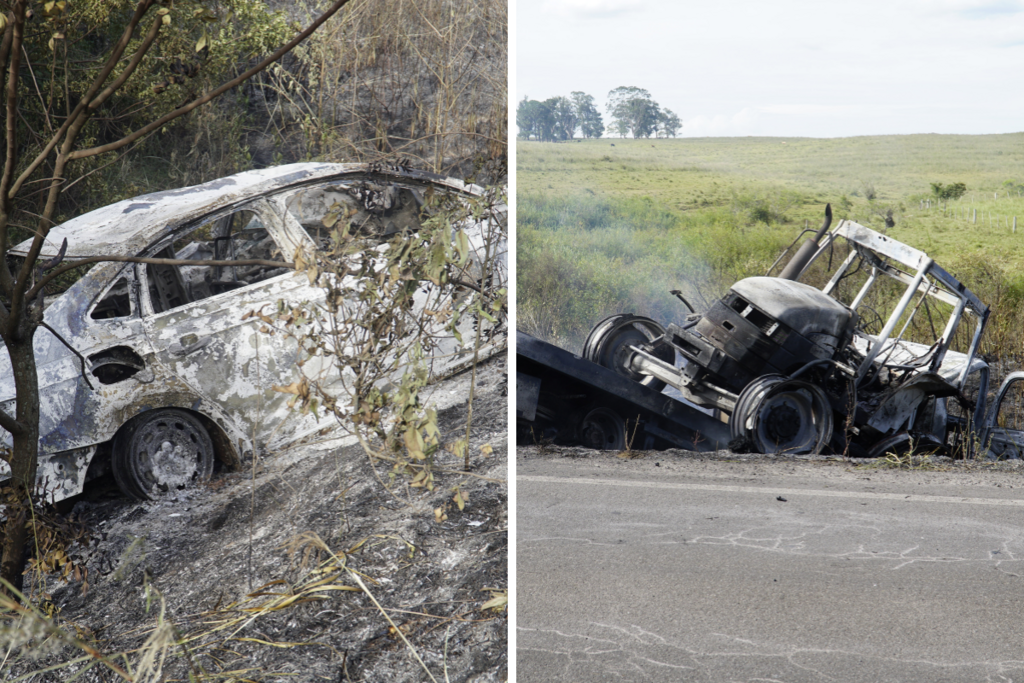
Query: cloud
[
  {"x": 744, "y": 122},
  {"x": 593, "y": 8},
  {"x": 975, "y": 9}
]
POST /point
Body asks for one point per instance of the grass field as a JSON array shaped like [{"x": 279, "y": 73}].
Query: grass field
[{"x": 607, "y": 226}]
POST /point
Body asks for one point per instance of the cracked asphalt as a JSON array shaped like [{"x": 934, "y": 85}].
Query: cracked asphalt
[{"x": 674, "y": 566}]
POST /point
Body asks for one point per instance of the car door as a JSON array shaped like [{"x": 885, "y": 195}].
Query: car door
[
  {"x": 84, "y": 395},
  {"x": 1003, "y": 436},
  {"x": 196, "y": 318}
]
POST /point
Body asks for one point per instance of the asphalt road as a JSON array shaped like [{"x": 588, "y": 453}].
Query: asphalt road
[{"x": 677, "y": 568}]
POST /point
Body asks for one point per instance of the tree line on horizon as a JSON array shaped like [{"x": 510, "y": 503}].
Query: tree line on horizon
[{"x": 631, "y": 110}]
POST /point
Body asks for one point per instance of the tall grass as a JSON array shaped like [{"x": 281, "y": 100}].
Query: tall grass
[
  {"x": 582, "y": 258},
  {"x": 605, "y": 229},
  {"x": 420, "y": 82}
]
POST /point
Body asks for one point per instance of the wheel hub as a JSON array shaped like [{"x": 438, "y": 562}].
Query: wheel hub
[
  {"x": 608, "y": 345},
  {"x": 782, "y": 422},
  {"x": 603, "y": 429}
]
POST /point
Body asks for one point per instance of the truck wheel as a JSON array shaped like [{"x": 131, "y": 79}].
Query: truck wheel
[
  {"x": 161, "y": 450},
  {"x": 602, "y": 429},
  {"x": 775, "y": 414},
  {"x": 608, "y": 345},
  {"x": 902, "y": 444}
]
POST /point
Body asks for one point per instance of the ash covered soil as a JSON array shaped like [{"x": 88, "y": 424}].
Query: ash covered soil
[{"x": 209, "y": 550}]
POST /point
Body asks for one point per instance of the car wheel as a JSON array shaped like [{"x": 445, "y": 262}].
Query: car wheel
[{"x": 161, "y": 450}]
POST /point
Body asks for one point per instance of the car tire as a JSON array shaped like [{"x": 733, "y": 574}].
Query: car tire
[{"x": 160, "y": 451}]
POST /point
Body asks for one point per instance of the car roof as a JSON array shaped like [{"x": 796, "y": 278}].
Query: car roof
[{"x": 129, "y": 226}]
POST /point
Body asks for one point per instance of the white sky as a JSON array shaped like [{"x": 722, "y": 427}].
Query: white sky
[{"x": 786, "y": 67}]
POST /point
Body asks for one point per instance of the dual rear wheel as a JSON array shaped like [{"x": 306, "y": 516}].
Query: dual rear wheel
[{"x": 775, "y": 414}]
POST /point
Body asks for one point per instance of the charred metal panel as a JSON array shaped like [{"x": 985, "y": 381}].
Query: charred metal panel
[
  {"x": 800, "y": 307},
  {"x": 570, "y": 385},
  {"x": 897, "y": 408},
  {"x": 527, "y": 396},
  {"x": 754, "y": 330}
]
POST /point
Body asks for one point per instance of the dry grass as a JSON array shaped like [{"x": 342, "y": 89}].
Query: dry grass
[{"x": 395, "y": 80}]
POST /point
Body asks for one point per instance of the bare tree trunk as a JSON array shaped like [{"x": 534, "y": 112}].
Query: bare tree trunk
[{"x": 24, "y": 461}]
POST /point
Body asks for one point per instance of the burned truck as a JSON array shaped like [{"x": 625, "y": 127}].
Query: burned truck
[{"x": 861, "y": 345}]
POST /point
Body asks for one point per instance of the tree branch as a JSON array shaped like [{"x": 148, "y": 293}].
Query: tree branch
[
  {"x": 11, "y": 49},
  {"x": 14, "y": 55},
  {"x": 181, "y": 111},
  {"x": 39, "y": 94},
  {"x": 73, "y": 350},
  {"x": 78, "y": 121},
  {"x": 32, "y": 293},
  {"x": 97, "y": 83},
  {"x": 154, "y": 30},
  {"x": 10, "y": 424},
  {"x": 5, "y": 46}
]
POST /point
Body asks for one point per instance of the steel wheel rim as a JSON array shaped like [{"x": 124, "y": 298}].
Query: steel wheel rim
[
  {"x": 778, "y": 415},
  {"x": 608, "y": 345},
  {"x": 903, "y": 443},
  {"x": 165, "y": 450},
  {"x": 788, "y": 422}
]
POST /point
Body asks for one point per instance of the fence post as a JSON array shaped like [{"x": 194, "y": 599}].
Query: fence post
[
  {"x": 975, "y": 216},
  {"x": 1014, "y": 225}
]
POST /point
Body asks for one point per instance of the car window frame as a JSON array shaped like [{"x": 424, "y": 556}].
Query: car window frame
[{"x": 260, "y": 206}]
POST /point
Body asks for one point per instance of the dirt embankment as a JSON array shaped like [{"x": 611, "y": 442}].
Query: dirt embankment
[
  {"x": 229, "y": 558},
  {"x": 917, "y": 470}
]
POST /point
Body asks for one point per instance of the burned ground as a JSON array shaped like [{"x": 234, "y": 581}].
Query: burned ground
[{"x": 206, "y": 551}]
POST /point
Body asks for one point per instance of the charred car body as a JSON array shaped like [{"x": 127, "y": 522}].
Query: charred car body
[
  {"x": 788, "y": 367},
  {"x": 169, "y": 374}
]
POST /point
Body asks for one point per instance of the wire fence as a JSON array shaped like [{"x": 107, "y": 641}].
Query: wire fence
[{"x": 964, "y": 210}]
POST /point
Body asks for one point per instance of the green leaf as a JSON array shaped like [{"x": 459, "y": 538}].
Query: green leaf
[
  {"x": 414, "y": 442},
  {"x": 462, "y": 246},
  {"x": 436, "y": 262}
]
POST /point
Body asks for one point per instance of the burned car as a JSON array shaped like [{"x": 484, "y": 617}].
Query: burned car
[
  {"x": 167, "y": 373},
  {"x": 861, "y": 345}
]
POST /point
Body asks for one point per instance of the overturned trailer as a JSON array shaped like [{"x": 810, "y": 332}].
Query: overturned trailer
[{"x": 862, "y": 364}]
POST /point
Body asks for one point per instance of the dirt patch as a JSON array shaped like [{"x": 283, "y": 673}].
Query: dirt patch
[{"x": 208, "y": 551}]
